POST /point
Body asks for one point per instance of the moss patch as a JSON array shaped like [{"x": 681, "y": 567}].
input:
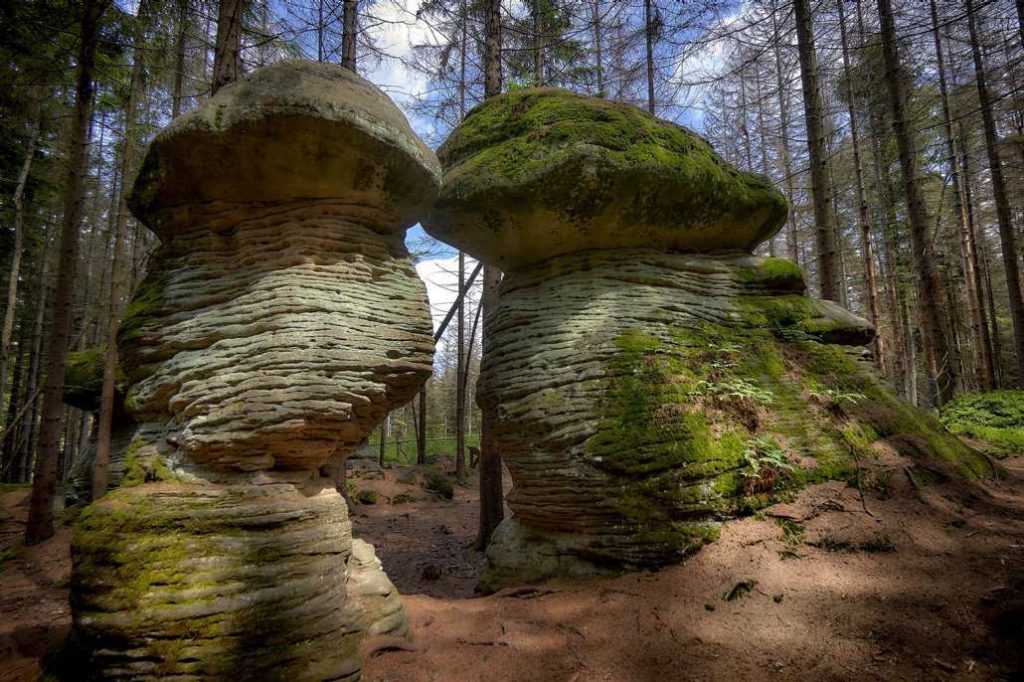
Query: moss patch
[
  {"x": 996, "y": 418},
  {"x": 609, "y": 172},
  {"x": 83, "y": 378},
  {"x": 706, "y": 422}
]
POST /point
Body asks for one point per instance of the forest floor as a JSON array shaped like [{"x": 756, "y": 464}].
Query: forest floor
[{"x": 907, "y": 582}]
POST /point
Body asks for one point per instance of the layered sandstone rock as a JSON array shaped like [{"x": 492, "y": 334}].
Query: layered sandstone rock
[
  {"x": 650, "y": 376},
  {"x": 281, "y": 319}
]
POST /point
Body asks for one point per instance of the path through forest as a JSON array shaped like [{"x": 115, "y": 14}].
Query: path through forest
[{"x": 924, "y": 585}]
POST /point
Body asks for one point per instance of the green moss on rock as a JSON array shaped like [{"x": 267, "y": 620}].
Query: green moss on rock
[
  {"x": 540, "y": 172},
  {"x": 704, "y": 422},
  {"x": 83, "y": 378}
]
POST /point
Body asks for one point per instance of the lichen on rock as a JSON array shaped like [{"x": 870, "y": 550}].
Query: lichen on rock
[
  {"x": 281, "y": 319},
  {"x": 651, "y": 378}
]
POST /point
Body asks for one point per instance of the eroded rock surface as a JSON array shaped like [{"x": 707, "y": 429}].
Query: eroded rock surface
[
  {"x": 650, "y": 376},
  {"x": 281, "y": 319}
]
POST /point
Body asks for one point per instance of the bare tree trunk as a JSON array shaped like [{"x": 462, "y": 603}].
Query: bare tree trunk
[
  {"x": 938, "y": 353},
  {"x": 320, "y": 31},
  {"x": 987, "y": 341},
  {"x": 649, "y": 41},
  {"x": 763, "y": 145},
  {"x": 866, "y": 248},
  {"x": 597, "y": 47},
  {"x": 19, "y": 239},
  {"x": 180, "y": 39},
  {"x": 491, "y": 493},
  {"x": 117, "y": 265},
  {"x": 791, "y": 240},
  {"x": 538, "y": 44},
  {"x": 821, "y": 189},
  {"x": 227, "y": 57},
  {"x": 383, "y": 439},
  {"x": 42, "y": 296},
  {"x": 979, "y": 331},
  {"x": 460, "y": 369},
  {"x": 997, "y": 349},
  {"x": 421, "y": 430},
  {"x": 1007, "y": 236},
  {"x": 44, "y": 482},
  {"x": 349, "y": 29}
]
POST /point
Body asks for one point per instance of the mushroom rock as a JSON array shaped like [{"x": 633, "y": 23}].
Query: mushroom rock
[
  {"x": 281, "y": 319},
  {"x": 650, "y": 376}
]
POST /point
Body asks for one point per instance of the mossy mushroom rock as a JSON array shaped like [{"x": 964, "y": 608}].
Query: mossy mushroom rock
[
  {"x": 281, "y": 319},
  {"x": 541, "y": 172},
  {"x": 215, "y": 581},
  {"x": 649, "y": 377}
]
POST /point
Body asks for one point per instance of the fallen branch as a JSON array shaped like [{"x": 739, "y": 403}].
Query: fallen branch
[{"x": 482, "y": 642}]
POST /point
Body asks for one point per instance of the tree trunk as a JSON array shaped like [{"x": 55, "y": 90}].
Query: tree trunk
[
  {"x": 227, "y": 57},
  {"x": 421, "y": 431},
  {"x": 791, "y": 240},
  {"x": 117, "y": 265},
  {"x": 938, "y": 354},
  {"x": 491, "y": 493},
  {"x": 19, "y": 239},
  {"x": 42, "y": 296},
  {"x": 349, "y": 29},
  {"x": 988, "y": 342},
  {"x": 538, "y": 44},
  {"x": 180, "y": 39},
  {"x": 383, "y": 439},
  {"x": 44, "y": 482},
  {"x": 649, "y": 41},
  {"x": 821, "y": 190},
  {"x": 460, "y": 368},
  {"x": 979, "y": 331},
  {"x": 1007, "y": 236},
  {"x": 320, "y": 31},
  {"x": 864, "y": 217},
  {"x": 597, "y": 47}
]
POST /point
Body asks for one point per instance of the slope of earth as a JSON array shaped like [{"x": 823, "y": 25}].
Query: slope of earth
[{"x": 910, "y": 581}]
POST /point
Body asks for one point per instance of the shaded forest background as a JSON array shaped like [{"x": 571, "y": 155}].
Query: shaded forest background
[{"x": 895, "y": 127}]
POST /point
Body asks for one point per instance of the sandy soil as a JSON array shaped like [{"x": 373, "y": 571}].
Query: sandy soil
[{"x": 902, "y": 584}]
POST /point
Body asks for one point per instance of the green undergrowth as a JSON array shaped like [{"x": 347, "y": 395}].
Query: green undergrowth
[
  {"x": 707, "y": 422},
  {"x": 996, "y": 418}
]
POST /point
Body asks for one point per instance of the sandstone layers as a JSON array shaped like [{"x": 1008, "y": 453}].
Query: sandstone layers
[
  {"x": 650, "y": 376},
  {"x": 281, "y": 319}
]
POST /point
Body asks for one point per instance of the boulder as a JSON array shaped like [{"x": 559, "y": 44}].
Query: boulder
[
  {"x": 281, "y": 319},
  {"x": 650, "y": 377}
]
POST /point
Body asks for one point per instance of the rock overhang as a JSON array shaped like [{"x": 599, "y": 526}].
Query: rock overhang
[
  {"x": 542, "y": 172},
  {"x": 292, "y": 131}
]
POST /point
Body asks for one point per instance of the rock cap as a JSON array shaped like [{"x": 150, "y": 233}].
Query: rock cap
[
  {"x": 290, "y": 131},
  {"x": 541, "y": 172}
]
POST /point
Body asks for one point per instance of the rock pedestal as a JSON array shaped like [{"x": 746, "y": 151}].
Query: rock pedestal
[
  {"x": 650, "y": 376},
  {"x": 281, "y": 319}
]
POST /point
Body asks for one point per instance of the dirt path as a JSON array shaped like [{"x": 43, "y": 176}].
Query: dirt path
[{"x": 924, "y": 586}]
